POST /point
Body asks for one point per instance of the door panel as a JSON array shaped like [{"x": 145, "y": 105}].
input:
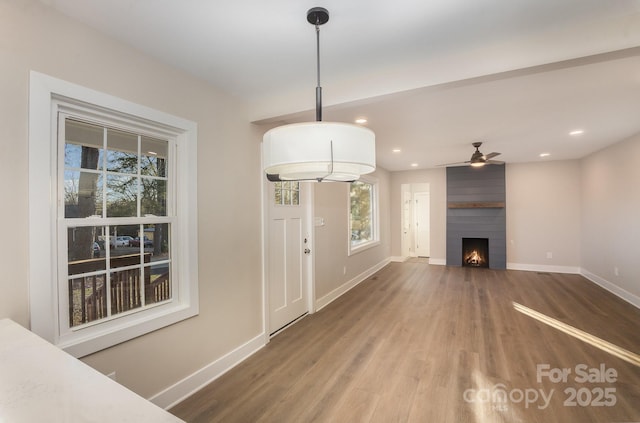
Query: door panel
[
  {"x": 277, "y": 267},
  {"x": 294, "y": 260}
]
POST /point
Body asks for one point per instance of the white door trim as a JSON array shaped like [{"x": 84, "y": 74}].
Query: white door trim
[{"x": 311, "y": 263}]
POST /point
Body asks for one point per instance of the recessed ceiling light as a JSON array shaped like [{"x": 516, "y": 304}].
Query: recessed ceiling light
[
  {"x": 361, "y": 120},
  {"x": 576, "y": 132},
  {"x": 414, "y": 164},
  {"x": 545, "y": 154},
  {"x": 396, "y": 150}
]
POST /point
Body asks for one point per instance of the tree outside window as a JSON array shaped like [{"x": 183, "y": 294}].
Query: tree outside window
[{"x": 361, "y": 206}]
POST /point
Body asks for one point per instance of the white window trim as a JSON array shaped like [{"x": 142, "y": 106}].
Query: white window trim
[
  {"x": 374, "y": 216},
  {"x": 44, "y": 91}
]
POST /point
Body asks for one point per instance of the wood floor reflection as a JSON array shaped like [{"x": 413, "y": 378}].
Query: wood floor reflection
[{"x": 421, "y": 343}]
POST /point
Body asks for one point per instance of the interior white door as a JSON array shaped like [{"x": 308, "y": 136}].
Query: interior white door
[
  {"x": 289, "y": 246},
  {"x": 407, "y": 221},
  {"x": 422, "y": 225}
]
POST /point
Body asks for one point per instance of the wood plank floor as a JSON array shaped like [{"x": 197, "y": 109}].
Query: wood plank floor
[{"x": 421, "y": 343}]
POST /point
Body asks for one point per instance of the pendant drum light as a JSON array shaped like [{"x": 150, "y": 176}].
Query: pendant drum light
[{"x": 318, "y": 151}]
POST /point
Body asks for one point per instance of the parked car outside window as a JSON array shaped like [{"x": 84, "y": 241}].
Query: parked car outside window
[
  {"x": 136, "y": 242},
  {"x": 96, "y": 250},
  {"x": 120, "y": 241}
]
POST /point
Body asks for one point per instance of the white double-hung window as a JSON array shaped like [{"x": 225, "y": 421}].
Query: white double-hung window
[{"x": 114, "y": 255}]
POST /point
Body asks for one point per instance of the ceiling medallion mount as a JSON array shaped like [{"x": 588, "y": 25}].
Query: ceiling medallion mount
[
  {"x": 317, "y": 16},
  {"x": 318, "y": 151}
]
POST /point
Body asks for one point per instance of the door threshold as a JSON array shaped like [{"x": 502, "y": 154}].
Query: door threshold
[{"x": 272, "y": 334}]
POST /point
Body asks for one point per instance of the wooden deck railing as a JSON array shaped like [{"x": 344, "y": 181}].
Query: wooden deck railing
[
  {"x": 158, "y": 290},
  {"x": 88, "y": 295}
]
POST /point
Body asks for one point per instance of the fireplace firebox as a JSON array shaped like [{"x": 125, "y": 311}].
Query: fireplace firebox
[{"x": 475, "y": 252}]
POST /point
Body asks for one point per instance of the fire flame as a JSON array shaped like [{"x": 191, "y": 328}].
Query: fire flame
[{"x": 474, "y": 258}]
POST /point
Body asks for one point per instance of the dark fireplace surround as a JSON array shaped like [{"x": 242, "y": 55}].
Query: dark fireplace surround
[{"x": 476, "y": 211}]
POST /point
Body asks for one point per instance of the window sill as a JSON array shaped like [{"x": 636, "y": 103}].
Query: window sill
[
  {"x": 362, "y": 247},
  {"x": 129, "y": 327}
]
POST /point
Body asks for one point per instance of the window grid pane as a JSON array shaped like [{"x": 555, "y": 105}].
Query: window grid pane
[
  {"x": 157, "y": 282},
  {"x": 122, "y": 195},
  {"x": 87, "y": 299},
  {"x": 122, "y": 152},
  {"x": 153, "y": 157},
  {"x": 125, "y": 290}
]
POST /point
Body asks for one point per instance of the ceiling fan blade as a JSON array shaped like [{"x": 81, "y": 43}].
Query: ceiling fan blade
[
  {"x": 491, "y": 155},
  {"x": 496, "y": 162},
  {"x": 455, "y": 164}
]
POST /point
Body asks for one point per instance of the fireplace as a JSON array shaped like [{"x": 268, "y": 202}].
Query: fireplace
[
  {"x": 476, "y": 208},
  {"x": 475, "y": 252}
]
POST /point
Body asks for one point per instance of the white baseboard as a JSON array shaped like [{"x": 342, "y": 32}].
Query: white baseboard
[
  {"x": 199, "y": 379},
  {"x": 543, "y": 268},
  {"x": 435, "y": 261},
  {"x": 398, "y": 259},
  {"x": 331, "y": 296},
  {"x": 613, "y": 288}
]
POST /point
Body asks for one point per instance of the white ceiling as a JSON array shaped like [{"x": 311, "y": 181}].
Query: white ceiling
[{"x": 431, "y": 76}]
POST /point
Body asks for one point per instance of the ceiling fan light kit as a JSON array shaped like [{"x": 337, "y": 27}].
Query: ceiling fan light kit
[
  {"x": 318, "y": 151},
  {"x": 478, "y": 159}
]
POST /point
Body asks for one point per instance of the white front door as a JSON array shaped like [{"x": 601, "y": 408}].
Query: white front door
[
  {"x": 288, "y": 250},
  {"x": 421, "y": 203}
]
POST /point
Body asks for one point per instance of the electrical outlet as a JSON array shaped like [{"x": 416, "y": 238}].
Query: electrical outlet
[
  {"x": 616, "y": 271},
  {"x": 344, "y": 270},
  {"x": 549, "y": 255}
]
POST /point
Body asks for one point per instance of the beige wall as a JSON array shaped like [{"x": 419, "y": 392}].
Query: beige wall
[
  {"x": 543, "y": 214},
  {"x": 331, "y": 203},
  {"x": 437, "y": 180},
  {"x": 611, "y": 214},
  {"x": 32, "y": 37}
]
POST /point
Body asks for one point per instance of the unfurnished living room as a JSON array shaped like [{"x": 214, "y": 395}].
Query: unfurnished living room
[{"x": 328, "y": 211}]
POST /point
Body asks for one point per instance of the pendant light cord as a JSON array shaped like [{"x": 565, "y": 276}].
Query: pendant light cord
[{"x": 318, "y": 87}]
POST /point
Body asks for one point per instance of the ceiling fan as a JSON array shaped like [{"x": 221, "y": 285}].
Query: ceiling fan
[{"x": 477, "y": 158}]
